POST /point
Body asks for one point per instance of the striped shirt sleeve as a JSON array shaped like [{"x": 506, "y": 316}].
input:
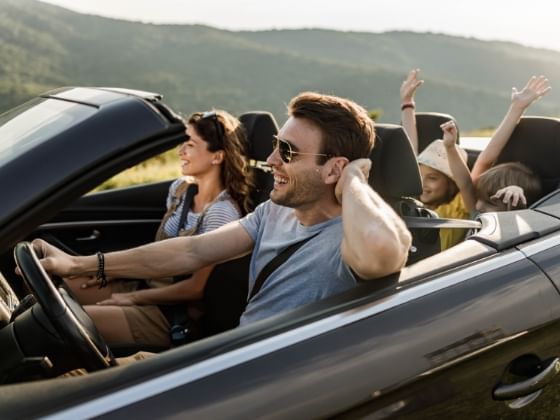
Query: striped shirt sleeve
[{"x": 219, "y": 214}]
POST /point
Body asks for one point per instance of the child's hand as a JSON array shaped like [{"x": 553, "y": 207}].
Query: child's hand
[
  {"x": 449, "y": 134},
  {"x": 512, "y": 195},
  {"x": 409, "y": 86},
  {"x": 535, "y": 89}
]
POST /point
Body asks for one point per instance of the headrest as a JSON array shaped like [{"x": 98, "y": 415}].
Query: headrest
[
  {"x": 535, "y": 141},
  {"x": 428, "y": 127},
  {"x": 261, "y": 127},
  {"x": 394, "y": 171}
]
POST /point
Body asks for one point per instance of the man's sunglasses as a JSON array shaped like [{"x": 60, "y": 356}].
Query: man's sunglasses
[
  {"x": 217, "y": 124},
  {"x": 285, "y": 150}
]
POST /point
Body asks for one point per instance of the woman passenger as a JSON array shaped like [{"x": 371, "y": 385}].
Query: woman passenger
[{"x": 214, "y": 158}]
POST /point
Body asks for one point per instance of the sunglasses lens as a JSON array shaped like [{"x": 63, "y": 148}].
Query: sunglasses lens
[
  {"x": 284, "y": 149},
  {"x": 285, "y": 152}
]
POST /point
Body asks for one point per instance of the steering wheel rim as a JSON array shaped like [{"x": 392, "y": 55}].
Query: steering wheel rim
[{"x": 67, "y": 316}]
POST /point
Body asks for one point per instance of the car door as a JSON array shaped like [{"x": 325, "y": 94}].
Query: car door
[
  {"x": 455, "y": 349},
  {"x": 108, "y": 220},
  {"x": 434, "y": 346}
]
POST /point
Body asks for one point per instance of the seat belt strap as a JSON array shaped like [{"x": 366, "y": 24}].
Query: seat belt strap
[{"x": 276, "y": 262}]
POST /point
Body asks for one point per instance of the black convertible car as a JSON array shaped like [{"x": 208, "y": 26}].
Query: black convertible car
[{"x": 470, "y": 332}]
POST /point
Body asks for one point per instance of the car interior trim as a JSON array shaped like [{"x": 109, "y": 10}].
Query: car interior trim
[
  {"x": 66, "y": 225},
  {"x": 235, "y": 357}
]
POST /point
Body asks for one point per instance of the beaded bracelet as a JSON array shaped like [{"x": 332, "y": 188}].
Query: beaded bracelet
[{"x": 101, "y": 269}]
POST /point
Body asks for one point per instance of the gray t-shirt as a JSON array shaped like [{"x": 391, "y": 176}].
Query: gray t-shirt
[{"x": 313, "y": 272}]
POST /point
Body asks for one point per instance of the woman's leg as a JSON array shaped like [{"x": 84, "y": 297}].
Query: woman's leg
[
  {"x": 131, "y": 324},
  {"x": 111, "y": 322}
]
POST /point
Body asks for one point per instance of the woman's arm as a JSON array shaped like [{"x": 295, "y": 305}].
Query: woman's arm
[{"x": 535, "y": 88}]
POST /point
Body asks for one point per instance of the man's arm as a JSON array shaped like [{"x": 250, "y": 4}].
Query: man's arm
[
  {"x": 376, "y": 241},
  {"x": 535, "y": 89},
  {"x": 159, "y": 259},
  {"x": 182, "y": 291}
]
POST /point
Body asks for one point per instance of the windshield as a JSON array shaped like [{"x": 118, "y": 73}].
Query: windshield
[{"x": 36, "y": 121}]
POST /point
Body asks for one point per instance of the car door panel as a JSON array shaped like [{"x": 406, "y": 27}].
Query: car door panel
[
  {"x": 465, "y": 333},
  {"x": 109, "y": 220}
]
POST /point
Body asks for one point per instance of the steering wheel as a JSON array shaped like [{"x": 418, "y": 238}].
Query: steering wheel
[{"x": 67, "y": 316}]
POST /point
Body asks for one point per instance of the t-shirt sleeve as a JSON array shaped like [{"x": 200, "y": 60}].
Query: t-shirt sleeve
[{"x": 252, "y": 221}]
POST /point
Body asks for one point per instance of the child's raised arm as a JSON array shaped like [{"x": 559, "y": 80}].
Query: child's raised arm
[
  {"x": 535, "y": 88},
  {"x": 408, "y": 107},
  {"x": 458, "y": 166}
]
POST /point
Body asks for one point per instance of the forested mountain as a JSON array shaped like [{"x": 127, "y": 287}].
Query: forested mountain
[{"x": 197, "y": 67}]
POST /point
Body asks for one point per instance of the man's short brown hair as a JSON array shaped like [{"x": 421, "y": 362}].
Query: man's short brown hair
[{"x": 346, "y": 128}]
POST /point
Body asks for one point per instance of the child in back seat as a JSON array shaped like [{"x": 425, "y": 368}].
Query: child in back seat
[
  {"x": 503, "y": 187},
  {"x": 444, "y": 170}
]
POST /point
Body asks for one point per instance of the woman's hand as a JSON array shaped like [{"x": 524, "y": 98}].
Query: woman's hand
[
  {"x": 535, "y": 89},
  {"x": 86, "y": 282},
  {"x": 119, "y": 299}
]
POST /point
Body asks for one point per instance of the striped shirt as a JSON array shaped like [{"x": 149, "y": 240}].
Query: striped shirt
[{"x": 221, "y": 211}]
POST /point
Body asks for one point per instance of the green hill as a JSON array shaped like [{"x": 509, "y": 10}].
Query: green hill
[{"x": 197, "y": 67}]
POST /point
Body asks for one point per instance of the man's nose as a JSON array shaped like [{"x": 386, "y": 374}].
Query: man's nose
[{"x": 274, "y": 158}]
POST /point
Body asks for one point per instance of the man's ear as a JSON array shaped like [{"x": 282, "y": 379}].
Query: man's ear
[{"x": 334, "y": 170}]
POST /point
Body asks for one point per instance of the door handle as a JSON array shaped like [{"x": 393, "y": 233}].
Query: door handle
[
  {"x": 528, "y": 386},
  {"x": 95, "y": 234}
]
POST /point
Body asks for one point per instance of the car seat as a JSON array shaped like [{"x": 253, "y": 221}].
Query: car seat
[
  {"x": 535, "y": 142},
  {"x": 428, "y": 127},
  {"x": 396, "y": 178},
  {"x": 261, "y": 127},
  {"x": 225, "y": 294}
]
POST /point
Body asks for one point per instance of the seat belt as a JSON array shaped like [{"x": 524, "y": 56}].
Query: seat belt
[
  {"x": 192, "y": 190},
  {"x": 178, "y": 329},
  {"x": 276, "y": 262}
]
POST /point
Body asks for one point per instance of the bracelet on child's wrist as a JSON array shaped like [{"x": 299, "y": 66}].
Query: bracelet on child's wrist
[
  {"x": 408, "y": 105},
  {"x": 101, "y": 269}
]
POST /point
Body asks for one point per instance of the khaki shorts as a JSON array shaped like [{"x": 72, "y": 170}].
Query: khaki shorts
[{"x": 147, "y": 324}]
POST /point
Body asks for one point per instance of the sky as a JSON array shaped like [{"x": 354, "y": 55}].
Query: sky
[{"x": 531, "y": 23}]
